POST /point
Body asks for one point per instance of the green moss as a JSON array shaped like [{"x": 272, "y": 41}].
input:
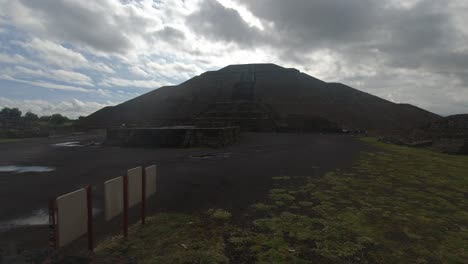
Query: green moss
[
  {"x": 306, "y": 204},
  {"x": 283, "y": 197},
  {"x": 280, "y": 204},
  {"x": 294, "y": 207},
  {"x": 169, "y": 238},
  {"x": 262, "y": 207},
  {"x": 219, "y": 214},
  {"x": 239, "y": 240},
  {"x": 398, "y": 205}
]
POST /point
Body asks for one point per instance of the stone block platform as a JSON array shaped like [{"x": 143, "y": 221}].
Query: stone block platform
[{"x": 173, "y": 136}]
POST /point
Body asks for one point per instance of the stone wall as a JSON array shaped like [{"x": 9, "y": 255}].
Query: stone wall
[{"x": 452, "y": 145}]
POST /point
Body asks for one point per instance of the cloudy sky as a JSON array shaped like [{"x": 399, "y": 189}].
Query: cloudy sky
[{"x": 76, "y": 56}]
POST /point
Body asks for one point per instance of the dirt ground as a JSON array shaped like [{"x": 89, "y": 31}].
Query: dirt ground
[{"x": 188, "y": 179}]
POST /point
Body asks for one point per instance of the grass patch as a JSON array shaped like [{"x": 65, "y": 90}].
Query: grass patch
[
  {"x": 396, "y": 205},
  {"x": 283, "y": 197},
  {"x": 399, "y": 205},
  {"x": 169, "y": 238},
  {"x": 262, "y": 207},
  {"x": 219, "y": 214}
]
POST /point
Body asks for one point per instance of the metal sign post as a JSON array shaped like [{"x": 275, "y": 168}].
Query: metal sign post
[
  {"x": 143, "y": 197},
  {"x": 53, "y": 232},
  {"x": 52, "y": 225},
  {"x": 125, "y": 207},
  {"x": 89, "y": 198}
]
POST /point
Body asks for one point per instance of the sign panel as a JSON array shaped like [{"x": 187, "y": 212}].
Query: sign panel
[
  {"x": 150, "y": 173},
  {"x": 72, "y": 216},
  {"x": 113, "y": 198},
  {"x": 134, "y": 186}
]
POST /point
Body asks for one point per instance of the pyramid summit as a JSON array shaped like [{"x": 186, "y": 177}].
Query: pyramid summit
[{"x": 262, "y": 97}]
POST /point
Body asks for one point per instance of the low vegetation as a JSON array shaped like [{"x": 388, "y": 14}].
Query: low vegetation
[
  {"x": 171, "y": 238},
  {"x": 15, "y": 124},
  {"x": 395, "y": 205},
  {"x": 219, "y": 214}
]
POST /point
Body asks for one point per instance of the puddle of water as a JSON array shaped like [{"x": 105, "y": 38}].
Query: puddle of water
[
  {"x": 73, "y": 144},
  {"x": 212, "y": 156},
  {"x": 68, "y": 144},
  {"x": 25, "y": 169},
  {"x": 39, "y": 217}
]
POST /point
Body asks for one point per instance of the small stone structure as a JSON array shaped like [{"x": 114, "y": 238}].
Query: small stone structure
[
  {"x": 175, "y": 136},
  {"x": 249, "y": 115},
  {"x": 452, "y": 145},
  {"x": 450, "y": 134},
  {"x": 447, "y": 135}
]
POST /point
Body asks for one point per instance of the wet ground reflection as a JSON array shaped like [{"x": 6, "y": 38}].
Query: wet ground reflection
[
  {"x": 25, "y": 169},
  {"x": 212, "y": 156},
  {"x": 68, "y": 144},
  {"x": 38, "y": 217}
]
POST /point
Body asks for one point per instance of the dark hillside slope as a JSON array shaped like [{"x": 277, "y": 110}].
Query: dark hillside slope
[{"x": 287, "y": 92}]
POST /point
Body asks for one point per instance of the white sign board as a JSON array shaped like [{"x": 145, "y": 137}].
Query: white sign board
[
  {"x": 72, "y": 216},
  {"x": 134, "y": 186},
  {"x": 113, "y": 197},
  {"x": 150, "y": 173}
]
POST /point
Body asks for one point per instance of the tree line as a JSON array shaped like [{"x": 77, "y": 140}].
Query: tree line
[{"x": 13, "y": 117}]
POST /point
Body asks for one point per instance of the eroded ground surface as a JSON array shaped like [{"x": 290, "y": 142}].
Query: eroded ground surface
[{"x": 189, "y": 180}]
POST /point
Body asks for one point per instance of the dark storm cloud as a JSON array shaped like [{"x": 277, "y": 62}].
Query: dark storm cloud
[
  {"x": 420, "y": 32},
  {"x": 413, "y": 32},
  {"x": 345, "y": 25},
  {"x": 304, "y": 23},
  {"x": 216, "y": 22},
  {"x": 395, "y": 40},
  {"x": 169, "y": 34}
]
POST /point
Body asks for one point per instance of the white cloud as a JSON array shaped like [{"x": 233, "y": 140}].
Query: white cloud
[
  {"x": 100, "y": 67},
  {"x": 245, "y": 13},
  {"x": 72, "y": 77},
  {"x": 138, "y": 71},
  {"x": 56, "y": 75},
  {"x": 20, "y": 15},
  {"x": 59, "y": 56},
  {"x": 405, "y": 4},
  {"x": 97, "y": 24},
  {"x": 150, "y": 84},
  {"x": 15, "y": 59},
  {"x": 55, "y": 54},
  {"x": 44, "y": 84}
]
